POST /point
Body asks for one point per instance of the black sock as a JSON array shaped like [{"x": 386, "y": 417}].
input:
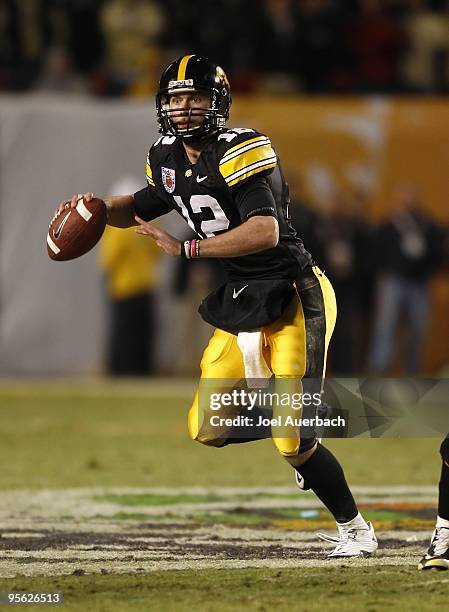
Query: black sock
[
  {"x": 324, "y": 475},
  {"x": 443, "y": 499}
]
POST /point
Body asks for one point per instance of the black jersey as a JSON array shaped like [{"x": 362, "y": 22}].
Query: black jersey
[{"x": 237, "y": 176}]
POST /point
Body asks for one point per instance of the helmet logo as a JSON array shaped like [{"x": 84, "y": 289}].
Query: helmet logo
[
  {"x": 222, "y": 75},
  {"x": 168, "y": 179},
  {"x": 178, "y": 84}
]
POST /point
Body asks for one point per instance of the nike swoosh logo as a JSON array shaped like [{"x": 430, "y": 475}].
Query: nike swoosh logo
[
  {"x": 236, "y": 294},
  {"x": 57, "y": 232},
  {"x": 300, "y": 481},
  {"x": 201, "y": 179}
]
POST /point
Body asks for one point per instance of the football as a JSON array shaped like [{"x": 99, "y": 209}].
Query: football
[{"x": 75, "y": 231}]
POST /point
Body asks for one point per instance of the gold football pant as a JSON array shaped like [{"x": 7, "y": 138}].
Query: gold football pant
[{"x": 295, "y": 347}]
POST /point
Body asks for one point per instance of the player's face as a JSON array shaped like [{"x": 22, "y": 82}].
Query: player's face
[{"x": 186, "y": 109}]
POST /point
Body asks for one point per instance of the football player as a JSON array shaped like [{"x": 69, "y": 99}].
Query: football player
[
  {"x": 229, "y": 187},
  {"x": 437, "y": 556}
]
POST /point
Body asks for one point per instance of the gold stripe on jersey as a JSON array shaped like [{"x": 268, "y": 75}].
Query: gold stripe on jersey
[
  {"x": 249, "y": 158},
  {"x": 150, "y": 175},
  {"x": 244, "y": 144},
  {"x": 254, "y": 169},
  {"x": 182, "y": 67}
]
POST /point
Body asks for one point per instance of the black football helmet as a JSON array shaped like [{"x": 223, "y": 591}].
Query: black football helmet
[{"x": 188, "y": 74}]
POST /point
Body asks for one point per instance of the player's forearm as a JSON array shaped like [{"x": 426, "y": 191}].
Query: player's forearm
[
  {"x": 120, "y": 210},
  {"x": 256, "y": 234}
]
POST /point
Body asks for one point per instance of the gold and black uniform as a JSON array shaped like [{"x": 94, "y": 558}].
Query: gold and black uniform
[
  {"x": 236, "y": 177},
  {"x": 275, "y": 315},
  {"x": 278, "y": 290}
]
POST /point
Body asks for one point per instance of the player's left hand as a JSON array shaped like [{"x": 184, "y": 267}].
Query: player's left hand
[{"x": 167, "y": 243}]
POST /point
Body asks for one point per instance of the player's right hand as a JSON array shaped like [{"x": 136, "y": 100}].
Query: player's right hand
[{"x": 73, "y": 201}]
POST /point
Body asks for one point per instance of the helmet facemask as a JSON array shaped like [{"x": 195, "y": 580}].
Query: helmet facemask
[{"x": 213, "y": 117}]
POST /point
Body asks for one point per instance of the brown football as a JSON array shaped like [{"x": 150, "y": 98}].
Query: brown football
[{"x": 75, "y": 231}]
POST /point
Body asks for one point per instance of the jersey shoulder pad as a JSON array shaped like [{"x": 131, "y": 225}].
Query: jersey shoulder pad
[
  {"x": 243, "y": 153},
  {"x": 156, "y": 155}
]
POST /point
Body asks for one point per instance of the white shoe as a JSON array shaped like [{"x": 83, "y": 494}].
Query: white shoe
[
  {"x": 352, "y": 541},
  {"x": 437, "y": 556}
]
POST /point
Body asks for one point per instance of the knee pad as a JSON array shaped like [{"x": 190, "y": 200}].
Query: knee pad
[
  {"x": 444, "y": 450},
  {"x": 287, "y": 447},
  {"x": 300, "y": 454}
]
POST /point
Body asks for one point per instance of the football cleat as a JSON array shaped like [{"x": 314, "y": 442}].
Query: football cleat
[
  {"x": 352, "y": 541},
  {"x": 437, "y": 557}
]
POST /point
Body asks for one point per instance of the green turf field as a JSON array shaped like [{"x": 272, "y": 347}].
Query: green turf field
[
  {"x": 135, "y": 434},
  {"x": 262, "y": 590},
  {"x": 120, "y": 492}
]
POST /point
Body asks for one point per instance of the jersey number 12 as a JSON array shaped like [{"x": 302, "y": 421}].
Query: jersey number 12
[{"x": 220, "y": 221}]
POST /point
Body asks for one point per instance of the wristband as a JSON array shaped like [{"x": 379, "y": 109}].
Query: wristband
[
  {"x": 190, "y": 249},
  {"x": 185, "y": 249}
]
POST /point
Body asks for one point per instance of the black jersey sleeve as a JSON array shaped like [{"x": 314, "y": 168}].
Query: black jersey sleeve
[
  {"x": 255, "y": 198},
  {"x": 243, "y": 154},
  {"x": 147, "y": 204}
]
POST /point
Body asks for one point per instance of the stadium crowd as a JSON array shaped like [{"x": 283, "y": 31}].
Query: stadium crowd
[{"x": 117, "y": 47}]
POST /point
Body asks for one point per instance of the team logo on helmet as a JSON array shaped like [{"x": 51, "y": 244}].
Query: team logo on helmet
[
  {"x": 168, "y": 179},
  {"x": 221, "y": 76}
]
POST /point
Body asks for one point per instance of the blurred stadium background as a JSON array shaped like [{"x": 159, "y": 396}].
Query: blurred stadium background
[{"x": 354, "y": 98}]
